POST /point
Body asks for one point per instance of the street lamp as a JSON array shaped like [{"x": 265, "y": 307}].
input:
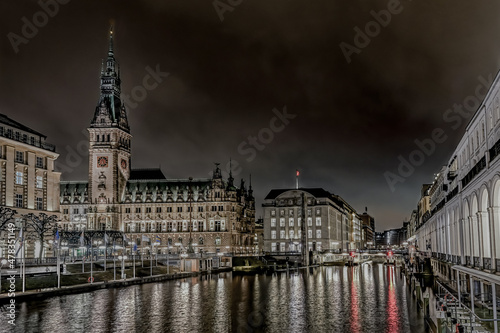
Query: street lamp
[
  {"x": 3, "y": 262},
  {"x": 123, "y": 258}
]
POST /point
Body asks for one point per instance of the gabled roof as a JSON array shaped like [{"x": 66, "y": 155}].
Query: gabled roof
[
  {"x": 10, "y": 122},
  {"x": 146, "y": 174}
]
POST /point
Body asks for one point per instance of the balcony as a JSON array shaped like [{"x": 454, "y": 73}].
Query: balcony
[
  {"x": 34, "y": 143},
  {"x": 476, "y": 169},
  {"x": 452, "y": 174}
]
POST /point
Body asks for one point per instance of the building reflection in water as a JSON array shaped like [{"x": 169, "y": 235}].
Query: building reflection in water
[{"x": 366, "y": 298}]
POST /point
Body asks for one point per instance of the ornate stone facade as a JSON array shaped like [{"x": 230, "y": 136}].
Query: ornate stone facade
[
  {"x": 209, "y": 215},
  {"x": 28, "y": 182}
]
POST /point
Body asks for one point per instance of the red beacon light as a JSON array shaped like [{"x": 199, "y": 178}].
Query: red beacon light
[
  {"x": 389, "y": 253},
  {"x": 352, "y": 254}
]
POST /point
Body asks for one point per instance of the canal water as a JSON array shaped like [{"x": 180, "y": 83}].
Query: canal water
[{"x": 366, "y": 298}]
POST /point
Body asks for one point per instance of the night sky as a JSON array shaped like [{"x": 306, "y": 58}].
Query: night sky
[{"x": 351, "y": 120}]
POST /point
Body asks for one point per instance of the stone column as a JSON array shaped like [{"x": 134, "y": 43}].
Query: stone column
[{"x": 493, "y": 214}]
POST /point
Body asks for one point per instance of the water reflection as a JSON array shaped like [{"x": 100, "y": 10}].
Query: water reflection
[{"x": 366, "y": 298}]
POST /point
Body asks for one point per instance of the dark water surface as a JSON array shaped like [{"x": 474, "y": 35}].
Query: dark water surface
[{"x": 368, "y": 298}]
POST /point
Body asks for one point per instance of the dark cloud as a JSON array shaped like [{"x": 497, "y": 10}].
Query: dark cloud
[{"x": 352, "y": 121}]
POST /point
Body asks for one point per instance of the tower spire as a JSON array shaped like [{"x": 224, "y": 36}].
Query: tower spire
[
  {"x": 110, "y": 50},
  {"x": 110, "y": 110}
]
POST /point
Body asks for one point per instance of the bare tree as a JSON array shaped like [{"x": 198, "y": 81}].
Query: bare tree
[
  {"x": 40, "y": 225},
  {"x": 6, "y": 216}
]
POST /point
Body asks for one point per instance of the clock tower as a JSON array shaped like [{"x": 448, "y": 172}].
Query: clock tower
[{"x": 109, "y": 148}]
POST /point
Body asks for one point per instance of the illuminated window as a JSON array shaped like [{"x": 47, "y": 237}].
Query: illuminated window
[
  {"x": 39, "y": 182},
  {"x": 19, "y": 178}
]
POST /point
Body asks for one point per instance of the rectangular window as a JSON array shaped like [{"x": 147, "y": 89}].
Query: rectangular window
[
  {"x": 169, "y": 226},
  {"x": 184, "y": 226},
  {"x": 200, "y": 226},
  {"x": 19, "y": 178},
  {"x": 214, "y": 208},
  {"x": 65, "y": 211},
  {"x": 309, "y": 212},
  {"x": 200, "y": 209},
  {"x": 19, "y": 200},
  {"x": 217, "y": 225},
  {"x": 211, "y": 225},
  {"x": 76, "y": 211},
  {"x": 221, "y": 208},
  {"x": 25, "y": 137},
  {"x": 318, "y": 221},
  {"x": 158, "y": 209},
  {"x": 179, "y": 209},
  {"x": 282, "y": 212},
  {"x": 169, "y": 209},
  {"x": 282, "y": 221},
  {"x": 273, "y": 234},
  {"x": 85, "y": 211},
  {"x": 32, "y": 140},
  {"x": 273, "y": 247},
  {"x": 39, "y": 162},
  {"x": 318, "y": 211},
  {"x": 282, "y": 247},
  {"x": 148, "y": 209},
  {"x": 298, "y": 221},
  {"x": 290, "y": 212},
  {"x": 127, "y": 210},
  {"x": 18, "y": 136},
  {"x": 273, "y": 222},
  {"x": 19, "y": 157},
  {"x": 290, "y": 222},
  {"x": 39, "y": 182},
  {"x": 309, "y": 233},
  {"x": 138, "y": 210},
  {"x": 318, "y": 246},
  {"x": 39, "y": 203},
  {"x": 309, "y": 221},
  {"x": 318, "y": 233},
  {"x": 282, "y": 234},
  {"x": 273, "y": 213},
  {"x": 291, "y": 234}
]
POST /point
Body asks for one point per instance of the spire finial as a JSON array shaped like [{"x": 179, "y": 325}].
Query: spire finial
[{"x": 110, "y": 51}]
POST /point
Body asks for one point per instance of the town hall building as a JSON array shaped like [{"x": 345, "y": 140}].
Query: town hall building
[{"x": 153, "y": 212}]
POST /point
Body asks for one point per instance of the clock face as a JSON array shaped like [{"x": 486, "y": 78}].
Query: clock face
[
  {"x": 102, "y": 162},
  {"x": 124, "y": 164}
]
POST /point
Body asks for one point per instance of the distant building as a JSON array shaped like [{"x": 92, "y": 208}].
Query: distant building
[
  {"x": 28, "y": 182},
  {"x": 331, "y": 223},
  {"x": 392, "y": 237},
  {"x": 368, "y": 229}
]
